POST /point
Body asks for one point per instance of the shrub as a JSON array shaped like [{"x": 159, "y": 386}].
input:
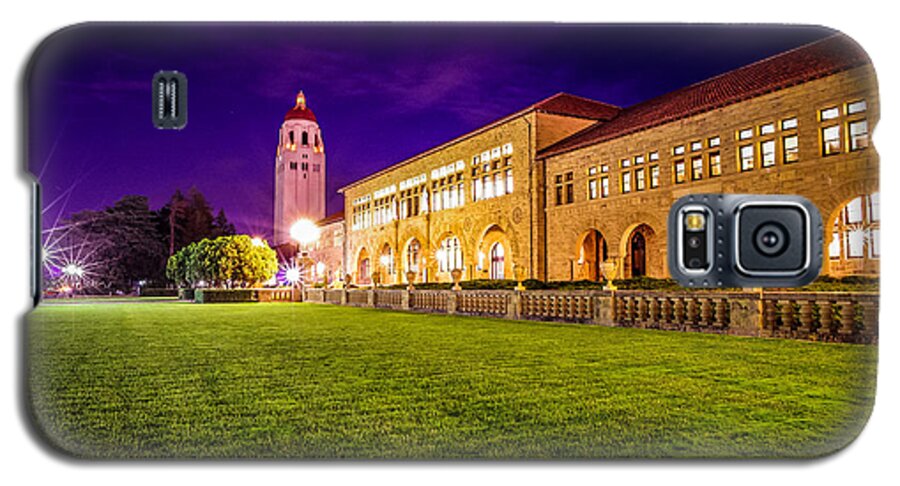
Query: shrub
[
  {"x": 186, "y": 294},
  {"x": 216, "y": 296},
  {"x": 157, "y": 292}
]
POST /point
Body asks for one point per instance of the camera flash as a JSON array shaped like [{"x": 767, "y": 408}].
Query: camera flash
[{"x": 694, "y": 221}]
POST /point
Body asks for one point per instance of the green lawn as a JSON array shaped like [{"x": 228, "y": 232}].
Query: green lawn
[{"x": 302, "y": 380}]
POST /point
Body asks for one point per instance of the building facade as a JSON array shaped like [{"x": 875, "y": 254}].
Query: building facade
[
  {"x": 299, "y": 171},
  {"x": 573, "y": 189}
]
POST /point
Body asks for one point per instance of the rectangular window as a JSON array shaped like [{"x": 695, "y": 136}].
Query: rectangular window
[
  {"x": 679, "y": 150},
  {"x": 626, "y": 182},
  {"x": 859, "y": 135},
  {"x": 746, "y": 155},
  {"x": 767, "y": 129},
  {"x": 745, "y": 134},
  {"x": 713, "y": 142},
  {"x": 488, "y": 187},
  {"x": 293, "y": 166},
  {"x": 478, "y": 190},
  {"x": 831, "y": 140},
  {"x": 654, "y": 156},
  {"x": 789, "y": 124},
  {"x": 829, "y": 113},
  {"x": 654, "y": 176},
  {"x": 499, "y": 184},
  {"x": 768, "y": 153},
  {"x": 679, "y": 171},
  {"x": 559, "y": 195},
  {"x": 834, "y": 248},
  {"x": 639, "y": 183},
  {"x": 625, "y": 163},
  {"x": 715, "y": 164},
  {"x": 604, "y": 168},
  {"x": 570, "y": 193},
  {"x": 604, "y": 187},
  {"x": 791, "y": 149},
  {"x": 461, "y": 194},
  {"x": 856, "y": 107},
  {"x": 593, "y": 190},
  {"x": 696, "y": 146},
  {"x": 509, "y": 181},
  {"x": 638, "y": 159},
  {"x": 696, "y": 168}
]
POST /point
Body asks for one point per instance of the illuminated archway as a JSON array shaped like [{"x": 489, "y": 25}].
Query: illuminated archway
[
  {"x": 592, "y": 252},
  {"x": 855, "y": 242},
  {"x": 363, "y": 268}
]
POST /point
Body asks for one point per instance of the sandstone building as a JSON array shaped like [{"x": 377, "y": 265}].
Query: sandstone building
[{"x": 560, "y": 187}]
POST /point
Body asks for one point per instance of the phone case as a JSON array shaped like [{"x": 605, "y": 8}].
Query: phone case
[{"x": 476, "y": 265}]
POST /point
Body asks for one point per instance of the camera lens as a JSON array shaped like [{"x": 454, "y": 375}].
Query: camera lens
[
  {"x": 770, "y": 239},
  {"x": 695, "y": 263},
  {"x": 694, "y": 242}
]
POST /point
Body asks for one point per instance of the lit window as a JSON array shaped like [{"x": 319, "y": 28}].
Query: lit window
[
  {"x": 626, "y": 182},
  {"x": 697, "y": 168},
  {"x": 639, "y": 183},
  {"x": 653, "y": 156},
  {"x": 509, "y": 181},
  {"x": 679, "y": 171},
  {"x": 696, "y": 146},
  {"x": 715, "y": 164},
  {"x": 831, "y": 140},
  {"x": 791, "y": 149},
  {"x": 829, "y": 113},
  {"x": 745, "y": 134},
  {"x": 499, "y": 184},
  {"x": 478, "y": 190},
  {"x": 767, "y": 129},
  {"x": 625, "y": 163},
  {"x": 638, "y": 159},
  {"x": 746, "y": 154},
  {"x": 654, "y": 176},
  {"x": 592, "y": 171},
  {"x": 593, "y": 190},
  {"x": 859, "y": 135},
  {"x": 488, "y": 187},
  {"x": 461, "y": 194},
  {"x": 789, "y": 124},
  {"x": 768, "y": 153},
  {"x": 604, "y": 187},
  {"x": 856, "y": 107},
  {"x": 679, "y": 150},
  {"x": 713, "y": 142},
  {"x": 449, "y": 255},
  {"x": 604, "y": 168}
]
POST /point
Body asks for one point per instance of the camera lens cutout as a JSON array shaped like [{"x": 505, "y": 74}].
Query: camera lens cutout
[
  {"x": 771, "y": 239},
  {"x": 694, "y": 241}
]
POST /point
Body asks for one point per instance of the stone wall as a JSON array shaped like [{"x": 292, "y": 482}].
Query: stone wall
[{"x": 817, "y": 316}]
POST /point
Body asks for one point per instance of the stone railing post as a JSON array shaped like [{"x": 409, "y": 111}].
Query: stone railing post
[
  {"x": 604, "y": 309},
  {"x": 513, "y": 304},
  {"x": 370, "y": 298},
  {"x": 344, "y": 296},
  {"x": 451, "y": 302},
  {"x": 404, "y": 299}
]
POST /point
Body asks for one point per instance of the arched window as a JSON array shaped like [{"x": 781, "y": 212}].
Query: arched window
[
  {"x": 387, "y": 259},
  {"x": 413, "y": 251},
  {"x": 449, "y": 255},
  {"x": 856, "y": 234},
  {"x": 363, "y": 271},
  {"x": 304, "y": 139},
  {"x": 497, "y": 261}
]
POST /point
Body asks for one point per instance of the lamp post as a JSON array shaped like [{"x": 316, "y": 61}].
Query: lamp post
[{"x": 305, "y": 232}]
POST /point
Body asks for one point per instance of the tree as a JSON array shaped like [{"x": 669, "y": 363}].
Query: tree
[
  {"x": 187, "y": 219},
  {"x": 120, "y": 245},
  {"x": 226, "y": 261}
]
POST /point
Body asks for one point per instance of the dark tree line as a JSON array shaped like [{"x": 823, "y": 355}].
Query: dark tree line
[{"x": 128, "y": 242}]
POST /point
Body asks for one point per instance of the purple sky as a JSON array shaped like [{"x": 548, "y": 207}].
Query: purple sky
[{"x": 381, "y": 93}]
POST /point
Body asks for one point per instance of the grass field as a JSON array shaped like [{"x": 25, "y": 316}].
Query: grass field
[{"x": 300, "y": 380}]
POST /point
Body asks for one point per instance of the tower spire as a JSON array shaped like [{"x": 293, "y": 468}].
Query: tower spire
[{"x": 301, "y": 101}]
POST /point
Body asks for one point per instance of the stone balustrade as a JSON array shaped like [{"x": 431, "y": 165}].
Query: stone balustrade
[{"x": 819, "y": 316}]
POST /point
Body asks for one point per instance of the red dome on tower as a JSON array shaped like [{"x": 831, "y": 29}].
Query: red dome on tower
[{"x": 300, "y": 111}]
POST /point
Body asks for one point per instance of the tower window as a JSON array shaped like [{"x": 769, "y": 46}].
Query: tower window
[
  {"x": 304, "y": 138},
  {"x": 293, "y": 166}
]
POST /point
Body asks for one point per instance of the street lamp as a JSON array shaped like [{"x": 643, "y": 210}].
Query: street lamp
[{"x": 305, "y": 232}]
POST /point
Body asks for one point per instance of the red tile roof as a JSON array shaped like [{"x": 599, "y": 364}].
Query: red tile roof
[
  {"x": 571, "y": 105},
  {"x": 816, "y": 60},
  {"x": 331, "y": 218}
]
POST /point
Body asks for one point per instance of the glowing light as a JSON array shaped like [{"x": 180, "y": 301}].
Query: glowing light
[
  {"x": 385, "y": 260},
  {"x": 305, "y": 231},
  {"x": 73, "y": 270},
  {"x": 320, "y": 268},
  {"x": 257, "y": 241},
  {"x": 292, "y": 275}
]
